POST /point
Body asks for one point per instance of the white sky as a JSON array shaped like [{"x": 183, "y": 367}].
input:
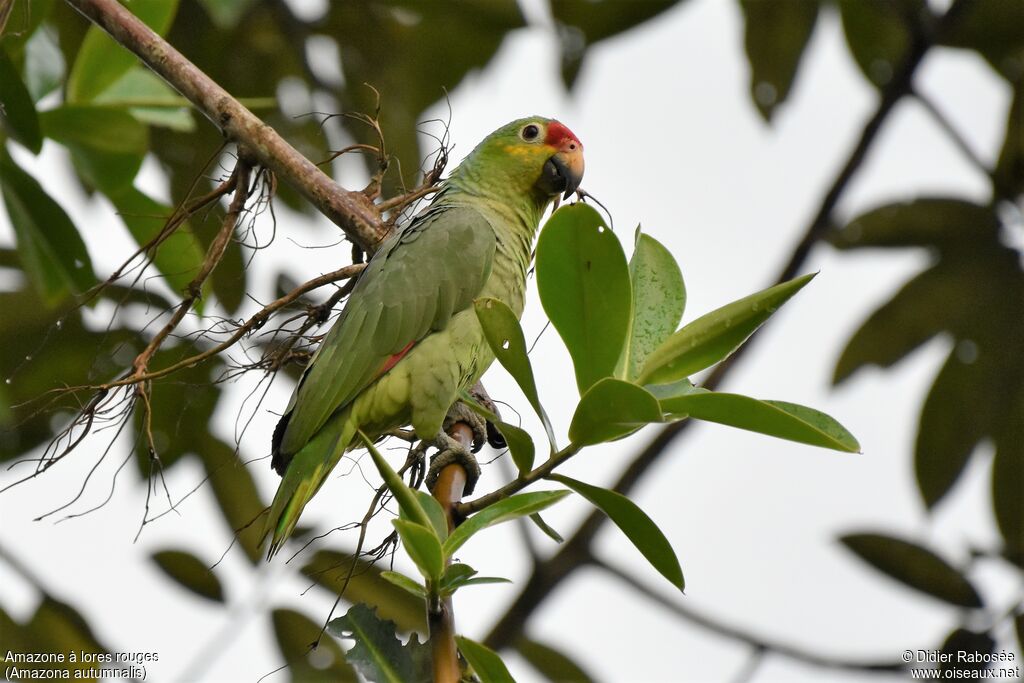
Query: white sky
[{"x": 672, "y": 142}]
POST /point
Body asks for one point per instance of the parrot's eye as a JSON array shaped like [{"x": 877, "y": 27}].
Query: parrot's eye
[{"x": 530, "y": 132}]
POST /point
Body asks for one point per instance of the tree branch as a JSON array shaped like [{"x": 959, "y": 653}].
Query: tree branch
[{"x": 353, "y": 212}]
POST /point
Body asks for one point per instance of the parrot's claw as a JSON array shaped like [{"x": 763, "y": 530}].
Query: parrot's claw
[
  {"x": 460, "y": 412},
  {"x": 451, "y": 452}
]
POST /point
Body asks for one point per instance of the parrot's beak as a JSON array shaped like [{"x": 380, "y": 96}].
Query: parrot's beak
[{"x": 563, "y": 172}]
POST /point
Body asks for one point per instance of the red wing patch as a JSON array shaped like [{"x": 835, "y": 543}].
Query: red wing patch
[{"x": 394, "y": 358}]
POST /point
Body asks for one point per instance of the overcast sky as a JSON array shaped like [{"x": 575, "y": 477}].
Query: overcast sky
[{"x": 672, "y": 142}]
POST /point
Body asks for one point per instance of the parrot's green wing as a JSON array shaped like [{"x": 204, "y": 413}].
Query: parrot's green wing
[{"x": 412, "y": 286}]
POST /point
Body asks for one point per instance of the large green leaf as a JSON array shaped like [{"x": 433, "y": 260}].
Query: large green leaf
[
  {"x": 635, "y": 524},
  {"x": 714, "y": 336},
  {"x": 149, "y": 99},
  {"x": 952, "y": 224},
  {"x": 377, "y": 653},
  {"x": 776, "y": 35},
  {"x": 513, "y": 507},
  {"x": 1008, "y": 477},
  {"x": 51, "y": 252},
  {"x": 17, "y": 111},
  {"x": 659, "y": 297},
  {"x": 101, "y": 61},
  {"x": 505, "y": 337},
  {"x": 235, "y": 491},
  {"x": 774, "y": 418},
  {"x": 583, "y": 281},
  {"x": 552, "y": 664},
  {"x": 486, "y": 663},
  {"x": 331, "y": 569},
  {"x": 325, "y": 664},
  {"x": 611, "y": 409},
  {"x": 407, "y": 499},
  {"x": 423, "y": 547},
  {"x": 191, "y": 572},
  {"x": 965, "y": 655},
  {"x": 1009, "y": 170},
  {"x": 993, "y": 29},
  {"x": 876, "y": 34},
  {"x": 915, "y": 566},
  {"x": 107, "y": 145}
]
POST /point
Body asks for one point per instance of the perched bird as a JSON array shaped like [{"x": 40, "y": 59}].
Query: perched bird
[{"x": 408, "y": 340}]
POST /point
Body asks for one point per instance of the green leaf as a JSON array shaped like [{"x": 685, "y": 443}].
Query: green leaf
[
  {"x": 101, "y": 61},
  {"x": 659, "y": 297},
  {"x": 1008, "y": 478},
  {"x": 422, "y": 546},
  {"x": 407, "y": 500},
  {"x": 52, "y": 253},
  {"x": 548, "y": 530},
  {"x": 774, "y": 418},
  {"x": 149, "y": 99},
  {"x": 551, "y": 663},
  {"x": 1009, "y": 170},
  {"x": 486, "y": 663},
  {"x": 776, "y": 35},
  {"x": 430, "y": 505},
  {"x": 992, "y": 29},
  {"x": 641, "y": 531},
  {"x": 377, "y": 653},
  {"x": 951, "y": 224},
  {"x": 510, "y": 508},
  {"x": 965, "y": 655},
  {"x": 295, "y": 633},
  {"x": 17, "y": 111},
  {"x": 461, "y": 575},
  {"x": 519, "y": 442},
  {"x": 505, "y": 337},
  {"x": 180, "y": 256},
  {"x": 331, "y": 569},
  {"x": 914, "y": 566},
  {"x": 714, "y": 336},
  {"x": 583, "y": 282},
  {"x": 235, "y": 490},
  {"x": 876, "y": 34},
  {"x": 226, "y": 13},
  {"x": 24, "y": 18},
  {"x": 405, "y": 583},
  {"x": 107, "y": 145},
  {"x": 44, "y": 65},
  {"x": 610, "y": 410},
  {"x": 192, "y": 573}
]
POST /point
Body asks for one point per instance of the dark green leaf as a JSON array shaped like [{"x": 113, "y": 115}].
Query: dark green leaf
[
  {"x": 914, "y": 566},
  {"x": 635, "y": 524},
  {"x": 486, "y": 663},
  {"x": 611, "y": 409},
  {"x": 548, "y": 530},
  {"x": 776, "y": 34},
  {"x": 992, "y": 28},
  {"x": 552, "y": 664},
  {"x": 331, "y": 570},
  {"x": 179, "y": 256},
  {"x": 876, "y": 34},
  {"x": 107, "y": 145},
  {"x": 582, "y": 23},
  {"x": 422, "y": 545},
  {"x": 190, "y": 572},
  {"x": 1008, "y": 478},
  {"x": 774, "y": 418},
  {"x": 58, "y": 627},
  {"x": 407, "y": 500},
  {"x": 17, "y": 112},
  {"x": 405, "y": 583},
  {"x": 505, "y": 337},
  {"x": 519, "y": 443},
  {"x": 101, "y": 61},
  {"x": 965, "y": 653},
  {"x": 714, "y": 336},
  {"x": 583, "y": 280},
  {"x": 377, "y": 653},
  {"x": 235, "y": 490},
  {"x": 1018, "y": 625},
  {"x": 51, "y": 251},
  {"x": 512, "y": 507},
  {"x": 24, "y": 18},
  {"x": 226, "y": 13},
  {"x": 659, "y": 297},
  {"x": 930, "y": 221},
  {"x": 1009, "y": 170},
  {"x": 295, "y": 635}
]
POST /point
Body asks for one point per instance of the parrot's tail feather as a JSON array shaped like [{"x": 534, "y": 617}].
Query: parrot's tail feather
[{"x": 305, "y": 474}]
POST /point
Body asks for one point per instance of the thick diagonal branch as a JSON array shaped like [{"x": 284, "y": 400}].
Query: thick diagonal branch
[{"x": 353, "y": 212}]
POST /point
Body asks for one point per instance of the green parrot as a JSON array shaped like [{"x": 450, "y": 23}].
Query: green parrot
[{"x": 408, "y": 340}]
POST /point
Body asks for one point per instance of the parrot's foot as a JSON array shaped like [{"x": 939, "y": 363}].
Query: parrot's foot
[
  {"x": 460, "y": 412},
  {"x": 452, "y": 452}
]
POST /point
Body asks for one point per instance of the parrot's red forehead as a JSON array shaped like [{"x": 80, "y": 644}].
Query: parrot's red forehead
[{"x": 558, "y": 134}]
